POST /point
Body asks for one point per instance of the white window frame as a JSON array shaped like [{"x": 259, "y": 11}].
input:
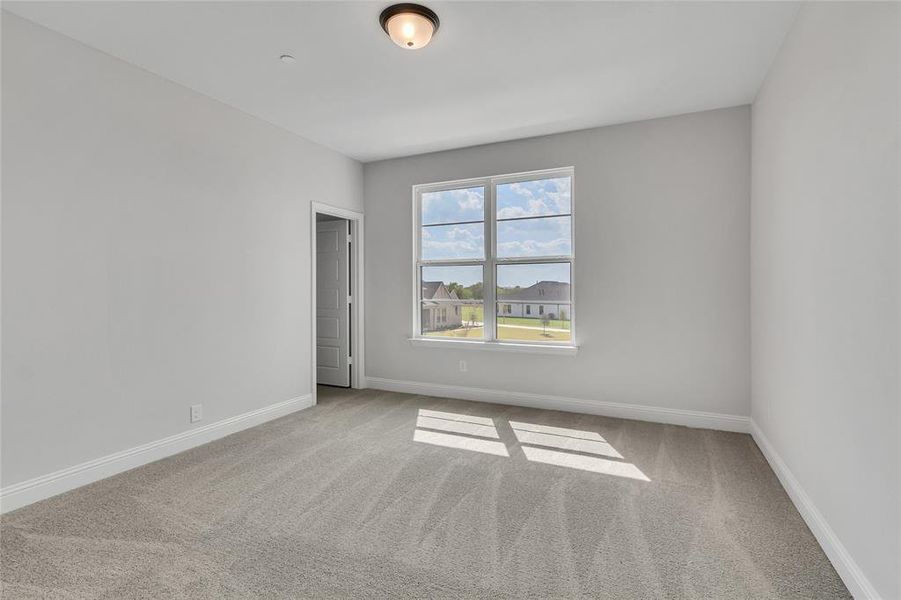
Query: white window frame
[{"x": 489, "y": 265}]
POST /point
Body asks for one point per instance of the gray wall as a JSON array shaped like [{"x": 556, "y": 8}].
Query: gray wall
[
  {"x": 155, "y": 254},
  {"x": 825, "y": 255},
  {"x": 661, "y": 278}
]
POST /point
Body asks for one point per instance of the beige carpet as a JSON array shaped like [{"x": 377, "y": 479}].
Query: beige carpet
[{"x": 375, "y": 495}]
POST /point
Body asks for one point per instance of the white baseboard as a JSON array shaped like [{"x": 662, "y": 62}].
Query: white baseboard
[
  {"x": 690, "y": 418},
  {"x": 39, "y": 488},
  {"x": 857, "y": 583}
]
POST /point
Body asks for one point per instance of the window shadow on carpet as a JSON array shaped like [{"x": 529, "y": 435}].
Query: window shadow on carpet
[{"x": 556, "y": 446}]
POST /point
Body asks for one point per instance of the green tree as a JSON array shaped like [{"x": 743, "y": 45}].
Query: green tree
[{"x": 470, "y": 292}]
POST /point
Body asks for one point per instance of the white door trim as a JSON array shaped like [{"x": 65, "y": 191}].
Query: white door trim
[
  {"x": 334, "y": 302},
  {"x": 357, "y": 312}
]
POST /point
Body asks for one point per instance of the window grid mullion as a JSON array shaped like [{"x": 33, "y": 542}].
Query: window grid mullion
[
  {"x": 489, "y": 287},
  {"x": 533, "y": 260},
  {"x": 450, "y": 263},
  {"x": 459, "y": 223},
  {"x": 530, "y": 218}
]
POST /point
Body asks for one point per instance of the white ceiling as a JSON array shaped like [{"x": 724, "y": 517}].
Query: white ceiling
[{"x": 495, "y": 70}]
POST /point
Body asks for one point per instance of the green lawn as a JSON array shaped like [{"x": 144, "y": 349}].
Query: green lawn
[
  {"x": 501, "y": 320},
  {"x": 476, "y": 312},
  {"x": 463, "y": 332},
  {"x": 506, "y": 333},
  {"x": 516, "y": 332},
  {"x": 531, "y": 335}
]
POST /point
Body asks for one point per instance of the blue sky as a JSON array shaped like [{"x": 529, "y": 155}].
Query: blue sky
[
  {"x": 526, "y": 275},
  {"x": 453, "y": 206},
  {"x": 453, "y": 241},
  {"x": 465, "y": 276},
  {"x": 538, "y": 237},
  {"x": 534, "y": 198}
]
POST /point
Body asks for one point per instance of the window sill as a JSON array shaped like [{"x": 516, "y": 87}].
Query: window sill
[{"x": 558, "y": 349}]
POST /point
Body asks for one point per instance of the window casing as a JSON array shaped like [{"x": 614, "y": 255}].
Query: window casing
[{"x": 505, "y": 311}]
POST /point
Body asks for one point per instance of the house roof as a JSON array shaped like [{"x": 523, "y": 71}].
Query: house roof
[
  {"x": 432, "y": 289},
  {"x": 429, "y": 288},
  {"x": 543, "y": 291}
]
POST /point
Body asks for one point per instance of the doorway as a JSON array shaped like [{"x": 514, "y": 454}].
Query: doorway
[{"x": 337, "y": 297}]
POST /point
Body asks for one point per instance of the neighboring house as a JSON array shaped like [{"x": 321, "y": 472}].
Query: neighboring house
[
  {"x": 440, "y": 315},
  {"x": 550, "y": 298}
]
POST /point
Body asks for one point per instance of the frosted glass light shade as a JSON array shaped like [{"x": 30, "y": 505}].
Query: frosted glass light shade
[
  {"x": 410, "y": 31},
  {"x": 410, "y": 26}
]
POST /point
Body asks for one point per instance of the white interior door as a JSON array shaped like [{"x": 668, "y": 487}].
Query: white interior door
[{"x": 332, "y": 303}]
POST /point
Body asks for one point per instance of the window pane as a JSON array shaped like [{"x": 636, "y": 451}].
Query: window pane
[
  {"x": 534, "y": 302},
  {"x": 453, "y": 242},
  {"x": 452, "y": 304},
  {"x": 547, "y": 236},
  {"x": 453, "y": 206},
  {"x": 534, "y": 198}
]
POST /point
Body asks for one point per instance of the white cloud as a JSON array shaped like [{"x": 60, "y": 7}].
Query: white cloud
[
  {"x": 461, "y": 233},
  {"x": 558, "y": 247},
  {"x": 512, "y": 212},
  {"x": 462, "y": 245},
  {"x": 552, "y": 198},
  {"x": 453, "y": 205},
  {"x": 533, "y": 208},
  {"x": 470, "y": 200},
  {"x": 457, "y": 242}
]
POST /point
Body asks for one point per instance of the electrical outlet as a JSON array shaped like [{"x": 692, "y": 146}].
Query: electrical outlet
[
  {"x": 462, "y": 366},
  {"x": 196, "y": 412}
]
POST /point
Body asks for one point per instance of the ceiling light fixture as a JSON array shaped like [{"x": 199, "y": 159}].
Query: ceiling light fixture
[{"x": 410, "y": 26}]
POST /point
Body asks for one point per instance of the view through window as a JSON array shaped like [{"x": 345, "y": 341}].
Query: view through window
[{"x": 494, "y": 258}]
